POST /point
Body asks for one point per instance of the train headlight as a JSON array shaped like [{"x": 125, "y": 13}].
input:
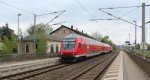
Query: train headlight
[{"x": 73, "y": 53}]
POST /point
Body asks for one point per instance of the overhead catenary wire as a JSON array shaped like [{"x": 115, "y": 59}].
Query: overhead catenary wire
[
  {"x": 16, "y": 7},
  {"x": 129, "y": 12},
  {"x": 55, "y": 17},
  {"x": 84, "y": 8},
  {"x": 58, "y": 23},
  {"x": 122, "y": 7},
  {"x": 118, "y": 17},
  {"x": 51, "y": 13},
  {"x": 102, "y": 19}
]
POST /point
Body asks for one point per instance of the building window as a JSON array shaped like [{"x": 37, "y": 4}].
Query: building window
[
  {"x": 36, "y": 46},
  {"x": 27, "y": 48},
  {"x": 70, "y": 32},
  {"x": 57, "y": 47},
  {"x": 64, "y": 31},
  {"x": 52, "y": 48}
]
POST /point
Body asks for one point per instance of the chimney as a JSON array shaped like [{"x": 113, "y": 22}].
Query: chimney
[
  {"x": 82, "y": 31},
  {"x": 77, "y": 29},
  {"x": 71, "y": 26},
  {"x": 6, "y": 24}
]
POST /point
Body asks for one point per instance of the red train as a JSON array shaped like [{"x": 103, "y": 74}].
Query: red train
[{"x": 75, "y": 47}]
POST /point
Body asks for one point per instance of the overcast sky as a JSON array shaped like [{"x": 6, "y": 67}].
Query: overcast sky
[{"x": 79, "y": 13}]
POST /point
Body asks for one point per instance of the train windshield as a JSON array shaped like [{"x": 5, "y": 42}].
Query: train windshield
[{"x": 68, "y": 44}]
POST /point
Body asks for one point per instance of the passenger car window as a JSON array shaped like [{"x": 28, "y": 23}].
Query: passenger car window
[{"x": 79, "y": 45}]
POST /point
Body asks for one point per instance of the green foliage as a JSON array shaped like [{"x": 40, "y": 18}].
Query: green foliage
[
  {"x": 147, "y": 53},
  {"x": 8, "y": 44},
  {"x": 5, "y": 31},
  {"x": 14, "y": 43},
  {"x": 138, "y": 46},
  {"x": 8, "y": 38},
  {"x": 40, "y": 28},
  {"x": 148, "y": 47},
  {"x": 3, "y": 49},
  {"x": 104, "y": 39},
  {"x": 97, "y": 36},
  {"x": 41, "y": 43}
]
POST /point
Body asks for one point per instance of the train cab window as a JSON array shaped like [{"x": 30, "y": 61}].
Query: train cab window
[
  {"x": 68, "y": 44},
  {"x": 79, "y": 45}
]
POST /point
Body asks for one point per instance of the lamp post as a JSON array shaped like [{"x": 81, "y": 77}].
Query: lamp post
[
  {"x": 18, "y": 34},
  {"x": 135, "y": 35}
]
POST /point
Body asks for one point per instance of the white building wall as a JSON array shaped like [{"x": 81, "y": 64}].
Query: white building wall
[{"x": 54, "y": 45}]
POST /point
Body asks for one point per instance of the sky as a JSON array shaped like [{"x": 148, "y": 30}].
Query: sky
[{"x": 79, "y": 13}]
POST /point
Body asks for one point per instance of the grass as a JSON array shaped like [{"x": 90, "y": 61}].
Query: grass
[{"x": 147, "y": 53}]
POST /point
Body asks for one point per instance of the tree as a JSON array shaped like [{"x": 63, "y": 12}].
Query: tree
[
  {"x": 14, "y": 43},
  {"x": 8, "y": 44},
  {"x": 8, "y": 38},
  {"x": 105, "y": 39},
  {"x": 40, "y": 28},
  {"x": 41, "y": 43},
  {"x": 3, "y": 49},
  {"x": 97, "y": 36},
  {"x": 5, "y": 31}
]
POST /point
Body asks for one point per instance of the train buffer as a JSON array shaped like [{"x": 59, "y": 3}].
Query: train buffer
[{"x": 124, "y": 68}]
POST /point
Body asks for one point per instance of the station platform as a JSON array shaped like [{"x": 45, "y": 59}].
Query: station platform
[
  {"x": 6, "y": 64},
  {"x": 17, "y": 67},
  {"x": 124, "y": 68}
]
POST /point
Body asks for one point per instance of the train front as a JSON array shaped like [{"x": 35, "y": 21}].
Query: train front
[{"x": 68, "y": 47}]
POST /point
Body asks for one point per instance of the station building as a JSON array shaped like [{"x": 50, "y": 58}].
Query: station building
[
  {"x": 64, "y": 30},
  {"x": 53, "y": 44}
]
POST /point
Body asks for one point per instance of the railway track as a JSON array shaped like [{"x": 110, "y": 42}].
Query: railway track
[
  {"x": 94, "y": 72},
  {"x": 71, "y": 72},
  {"x": 76, "y": 71},
  {"x": 28, "y": 74}
]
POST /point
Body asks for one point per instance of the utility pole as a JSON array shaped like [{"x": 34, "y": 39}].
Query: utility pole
[
  {"x": 135, "y": 36},
  {"x": 143, "y": 30},
  {"x": 34, "y": 32},
  {"x": 129, "y": 42},
  {"x": 18, "y": 34}
]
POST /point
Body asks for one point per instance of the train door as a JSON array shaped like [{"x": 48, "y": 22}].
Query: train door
[{"x": 87, "y": 49}]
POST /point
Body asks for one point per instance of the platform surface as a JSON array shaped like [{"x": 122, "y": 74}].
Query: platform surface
[
  {"x": 131, "y": 71},
  {"x": 124, "y": 68},
  {"x": 25, "y": 62}
]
